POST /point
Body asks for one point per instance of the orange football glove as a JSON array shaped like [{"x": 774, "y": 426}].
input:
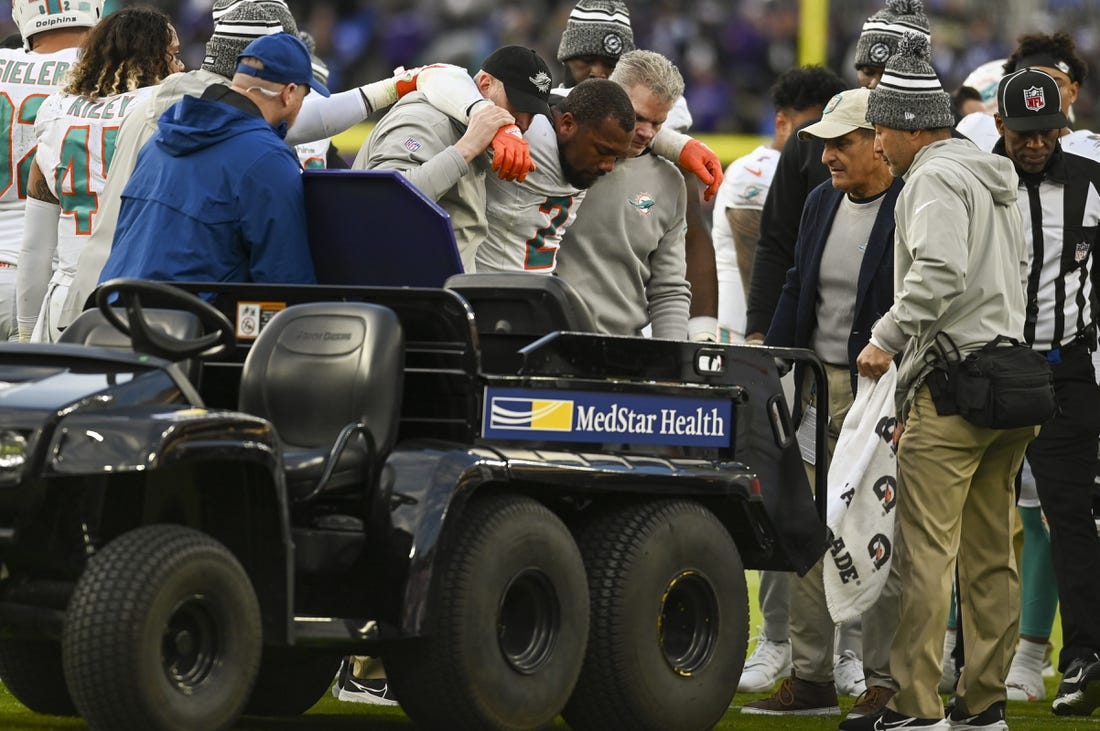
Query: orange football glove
[
  {"x": 701, "y": 160},
  {"x": 511, "y": 155},
  {"x": 406, "y": 79}
]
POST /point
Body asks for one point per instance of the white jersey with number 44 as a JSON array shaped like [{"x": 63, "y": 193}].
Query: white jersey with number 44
[
  {"x": 26, "y": 79},
  {"x": 76, "y": 140}
]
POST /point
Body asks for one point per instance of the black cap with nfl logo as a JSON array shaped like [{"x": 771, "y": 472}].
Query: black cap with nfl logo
[
  {"x": 1029, "y": 100},
  {"x": 525, "y": 76}
]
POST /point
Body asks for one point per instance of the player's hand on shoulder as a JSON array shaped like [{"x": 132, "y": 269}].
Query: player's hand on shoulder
[
  {"x": 511, "y": 154},
  {"x": 699, "y": 159},
  {"x": 416, "y": 78},
  {"x": 494, "y": 128}
]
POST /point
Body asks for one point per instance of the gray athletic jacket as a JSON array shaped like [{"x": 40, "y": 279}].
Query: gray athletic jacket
[{"x": 960, "y": 260}]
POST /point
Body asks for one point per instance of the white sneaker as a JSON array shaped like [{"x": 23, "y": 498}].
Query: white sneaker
[
  {"x": 768, "y": 662},
  {"x": 848, "y": 674},
  {"x": 1025, "y": 684},
  {"x": 947, "y": 673}
]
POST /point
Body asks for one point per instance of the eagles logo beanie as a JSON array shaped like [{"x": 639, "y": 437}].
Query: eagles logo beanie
[
  {"x": 881, "y": 32},
  {"x": 909, "y": 95},
  {"x": 243, "y": 23},
  {"x": 597, "y": 28}
]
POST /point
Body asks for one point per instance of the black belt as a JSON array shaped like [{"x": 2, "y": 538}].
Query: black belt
[{"x": 1084, "y": 339}]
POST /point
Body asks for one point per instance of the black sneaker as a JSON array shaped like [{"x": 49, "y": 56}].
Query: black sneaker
[
  {"x": 893, "y": 720},
  {"x": 356, "y": 690},
  {"x": 1079, "y": 692},
  {"x": 991, "y": 718}
]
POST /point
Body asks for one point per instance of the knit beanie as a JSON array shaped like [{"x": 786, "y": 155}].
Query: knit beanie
[
  {"x": 234, "y": 30},
  {"x": 597, "y": 28},
  {"x": 320, "y": 68},
  {"x": 276, "y": 9},
  {"x": 909, "y": 95},
  {"x": 878, "y": 40}
]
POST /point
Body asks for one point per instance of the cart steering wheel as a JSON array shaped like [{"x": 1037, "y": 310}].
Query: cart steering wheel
[{"x": 219, "y": 336}]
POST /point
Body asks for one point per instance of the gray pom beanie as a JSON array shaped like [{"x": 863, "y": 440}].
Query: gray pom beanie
[
  {"x": 909, "y": 95},
  {"x": 276, "y": 9},
  {"x": 234, "y": 30},
  {"x": 597, "y": 28},
  {"x": 878, "y": 40}
]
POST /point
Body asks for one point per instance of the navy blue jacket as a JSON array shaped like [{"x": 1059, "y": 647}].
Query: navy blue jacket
[
  {"x": 215, "y": 196},
  {"x": 795, "y": 317}
]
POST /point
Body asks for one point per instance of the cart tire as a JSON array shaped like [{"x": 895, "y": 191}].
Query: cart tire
[
  {"x": 291, "y": 681},
  {"x": 669, "y": 625},
  {"x": 31, "y": 671},
  {"x": 507, "y": 627},
  {"x": 163, "y": 633}
]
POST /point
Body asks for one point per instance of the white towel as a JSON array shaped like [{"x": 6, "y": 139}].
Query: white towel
[{"x": 862, "y": 500}]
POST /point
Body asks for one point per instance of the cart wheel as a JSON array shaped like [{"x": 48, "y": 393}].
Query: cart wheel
[
  {"x": 162, "y": 632},
  {"x": 669, "y": 625},
  {"x": 31, "y": 671},
  {"x": 509, "y": 622}
]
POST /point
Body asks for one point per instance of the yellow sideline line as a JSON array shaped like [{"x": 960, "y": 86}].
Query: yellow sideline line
[{"x": 727, "y": 147}]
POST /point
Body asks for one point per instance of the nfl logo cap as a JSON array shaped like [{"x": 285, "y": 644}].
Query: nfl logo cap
[
  {"x": 525, "y": 76},
  {"x": 286, "y": 60},
  {"x": 1029, "y": 100},
  {"x": 845, "y": 112}
]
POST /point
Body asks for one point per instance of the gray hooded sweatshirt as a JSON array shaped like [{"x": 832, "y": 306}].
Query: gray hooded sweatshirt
[{"x": 960, "y": 259}]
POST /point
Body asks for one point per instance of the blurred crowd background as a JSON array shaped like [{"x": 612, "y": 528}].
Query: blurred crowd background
[{"x": 730, "y": 51}]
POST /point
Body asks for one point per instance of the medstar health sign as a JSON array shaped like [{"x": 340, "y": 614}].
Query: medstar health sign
[{"x": 581, "y": 416}]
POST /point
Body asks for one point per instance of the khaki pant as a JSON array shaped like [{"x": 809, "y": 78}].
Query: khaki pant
[
  {"x": 366, "y": 667},
  {"x": 955, "y": 501},
  {"x": 812, "y": 627}
]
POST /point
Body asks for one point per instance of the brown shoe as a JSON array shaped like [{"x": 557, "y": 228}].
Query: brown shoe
[
  {"x": 796, "y": 697},
  {"x": 869, "y": 706}
]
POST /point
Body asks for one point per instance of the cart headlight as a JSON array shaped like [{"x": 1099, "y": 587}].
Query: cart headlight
[{"x": 13, "y": 454}]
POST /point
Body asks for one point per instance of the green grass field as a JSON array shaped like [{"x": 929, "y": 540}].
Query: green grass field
[{"x": 332, "y": 715}]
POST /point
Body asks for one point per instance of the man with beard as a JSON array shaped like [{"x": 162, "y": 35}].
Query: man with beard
[
  {"x": 591, "y": 129},
  {"x": 596, "y": 35}
]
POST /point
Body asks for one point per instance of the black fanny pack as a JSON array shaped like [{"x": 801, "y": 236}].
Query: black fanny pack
[{"x": 1003, "y": 385}]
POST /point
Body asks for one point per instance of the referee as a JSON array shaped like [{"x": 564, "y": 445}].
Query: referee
[{"x": 1061, "y": 212}]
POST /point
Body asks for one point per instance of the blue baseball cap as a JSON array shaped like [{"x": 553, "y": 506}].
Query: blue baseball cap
[{"x": 285, "y": 58}]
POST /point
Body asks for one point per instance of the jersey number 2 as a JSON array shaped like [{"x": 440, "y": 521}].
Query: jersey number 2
[
  {"x": 9, "y": 117},
  {"x": 538, "y": 254}
]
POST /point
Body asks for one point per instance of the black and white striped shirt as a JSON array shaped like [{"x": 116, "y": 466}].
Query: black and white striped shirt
[{"x": 1061, "y": 215}]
